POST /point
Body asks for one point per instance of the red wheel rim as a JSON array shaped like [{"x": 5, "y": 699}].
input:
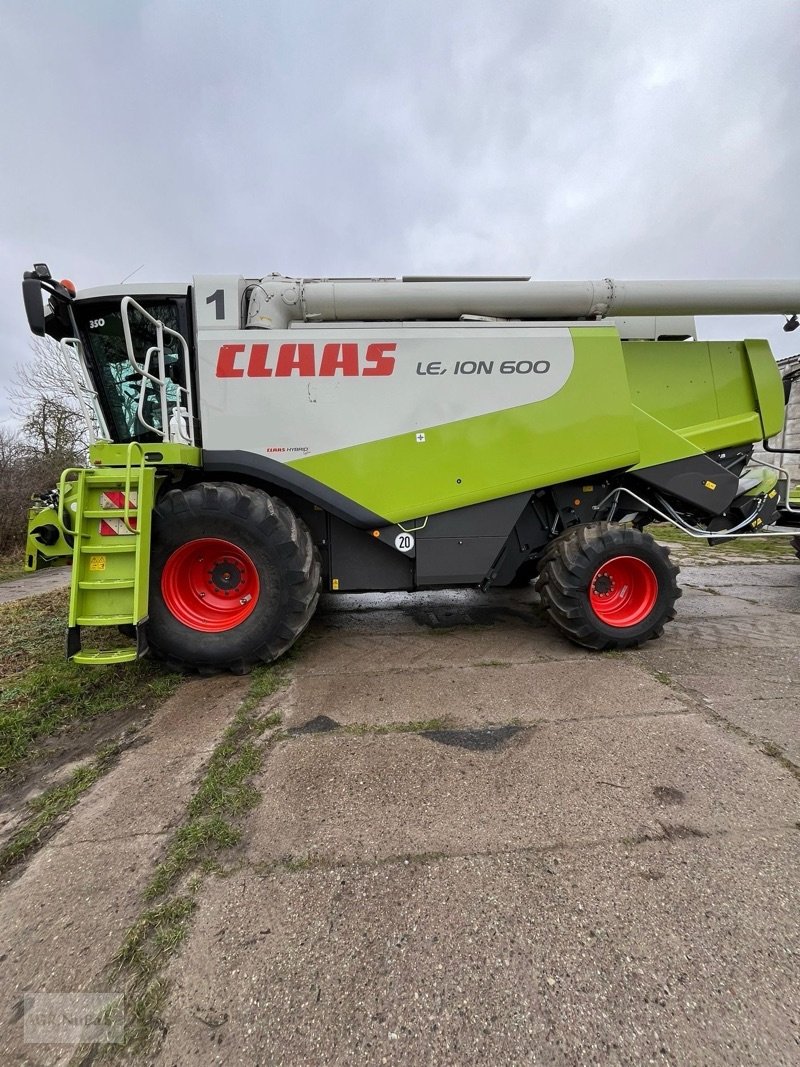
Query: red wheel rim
[
  {"x": 623, "y": 591},
  {"x": 210, "y": 585}
]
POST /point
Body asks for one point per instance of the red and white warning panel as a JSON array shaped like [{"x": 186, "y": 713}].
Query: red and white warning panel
[{"x": 114, "y": 500}]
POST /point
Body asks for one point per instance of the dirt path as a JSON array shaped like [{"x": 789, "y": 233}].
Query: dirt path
[
  {"x": 474, "y": 843},
  {"x": 34, "y": 584}
]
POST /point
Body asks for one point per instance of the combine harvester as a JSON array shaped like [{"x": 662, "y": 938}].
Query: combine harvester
[{"x": 256, "y": 441}]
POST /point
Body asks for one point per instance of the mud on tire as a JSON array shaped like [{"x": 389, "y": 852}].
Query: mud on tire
[
  {"x": 606, "y": 586},
  {"x": 212, "y": 543}
]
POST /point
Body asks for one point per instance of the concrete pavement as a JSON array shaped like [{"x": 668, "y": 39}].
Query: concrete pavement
[
  {"x": 587, "y": 859},
  {"x": 475, "y": 843}
]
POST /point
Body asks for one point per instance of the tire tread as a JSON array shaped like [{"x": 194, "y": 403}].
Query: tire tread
[
  {"x": 292, "y": 543},
  {"x": 567, "y": 566}
]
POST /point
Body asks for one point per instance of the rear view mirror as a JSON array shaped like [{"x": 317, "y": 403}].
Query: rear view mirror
[{"x": 34, "y": 304}]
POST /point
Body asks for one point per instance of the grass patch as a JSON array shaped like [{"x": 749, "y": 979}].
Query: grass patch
[
  {"x": 264, "y": 681},
  {"x": 147, "y": 946},
  {"x": 40, "y": 692},
  {"x": 160, "y": 929},
  {"x": 199, "y": 840},
  {"x": 225, "y": 793},
  {"x": 765, "y": 548},
  {"x": 53, "y": 803},
  {"x": 298, "y": 863},
  {"x": 11, "y": 567}
]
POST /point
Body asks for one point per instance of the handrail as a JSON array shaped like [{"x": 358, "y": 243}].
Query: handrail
[
  {"x": 126, "y": 516},
  {"x": 62, "y": 492},
  {"x": 72, "y": 351},
  {"x": 783, "y": 472},
  {"x": 140, "y": 406},
  {"x": 160, "y": 380}
]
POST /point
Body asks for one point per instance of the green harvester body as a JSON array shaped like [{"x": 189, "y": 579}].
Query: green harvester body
[{"x": 416, "y": 427}]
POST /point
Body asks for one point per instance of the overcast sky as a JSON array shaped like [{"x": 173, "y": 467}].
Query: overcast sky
[{"x": 569, "y": 139}]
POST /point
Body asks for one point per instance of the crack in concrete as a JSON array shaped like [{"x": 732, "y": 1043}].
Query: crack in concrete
[
  {"x": 430, "y": 668},
  {"x": 703, "y": 706},
  {"x": 670, "y": 834},
  {"x": 116, "y": 837}
]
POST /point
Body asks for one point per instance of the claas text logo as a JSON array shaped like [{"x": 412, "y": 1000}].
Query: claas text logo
[{"x": 306, "y": 360}]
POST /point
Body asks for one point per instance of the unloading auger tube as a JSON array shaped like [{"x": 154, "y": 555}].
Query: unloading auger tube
[{"x": 276, "y": 301}]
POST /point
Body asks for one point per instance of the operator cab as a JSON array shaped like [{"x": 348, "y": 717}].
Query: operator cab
[{"x": 139, "y": 385}]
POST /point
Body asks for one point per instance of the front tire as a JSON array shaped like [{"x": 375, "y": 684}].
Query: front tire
[
  {"x": 234, "y": 578},
  {"x": 795, "y": 543},
  {"x": 607, "y": 586}
]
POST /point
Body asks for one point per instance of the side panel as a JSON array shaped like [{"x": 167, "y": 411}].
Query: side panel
[
  {"x": 696, "y": 397},
  {"x": 461, "y": 546},
  {"x": 456, "y": 547},
  {"x": 768, "y": 386},
  {"x": 414, "y": 421},
  {"x": 672, "y": 380},
  {"x": 358, "y": 562}
]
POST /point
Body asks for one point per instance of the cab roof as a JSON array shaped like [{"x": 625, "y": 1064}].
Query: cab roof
[{"x": 145, "y": 289}]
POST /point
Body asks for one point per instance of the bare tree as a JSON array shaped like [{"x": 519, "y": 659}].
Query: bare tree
[
  {"x": 50, "y": 435},
  {"x": 43, "y": 398},
  {"x": 23, "y": 471},
  {"x": 52, "y": 429},
  {"x": 10, "y": 450},
  {"x": 12, "y": 502}
]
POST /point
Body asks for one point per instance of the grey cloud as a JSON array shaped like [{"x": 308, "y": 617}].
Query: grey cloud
[{"x": 578, "y": 139}]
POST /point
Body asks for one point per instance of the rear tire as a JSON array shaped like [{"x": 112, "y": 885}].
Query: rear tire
[
  {"x": 234, "y": 578},
  {"x": 607, "y": 586},
  {"x": 795, "y": 543}
]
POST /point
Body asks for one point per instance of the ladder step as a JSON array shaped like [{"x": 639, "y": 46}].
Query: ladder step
[
  {"x": 107, "y": 590},
  {"x": 108, "y": 513},
  {"x": 112, "y": 477},
  {"x": 126, "y": 545},
  {"x": 99, "y": 656},
  {"x": 109, "y": 583}
]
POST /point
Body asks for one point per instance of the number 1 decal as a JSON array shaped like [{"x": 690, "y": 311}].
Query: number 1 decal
[{"x": 218, "y": 298}]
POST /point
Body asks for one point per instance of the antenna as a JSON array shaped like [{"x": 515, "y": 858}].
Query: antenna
[{"x": 131, "y": 274}]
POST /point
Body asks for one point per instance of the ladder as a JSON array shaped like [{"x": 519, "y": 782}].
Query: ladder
[{"x": 110, "y": 514}]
